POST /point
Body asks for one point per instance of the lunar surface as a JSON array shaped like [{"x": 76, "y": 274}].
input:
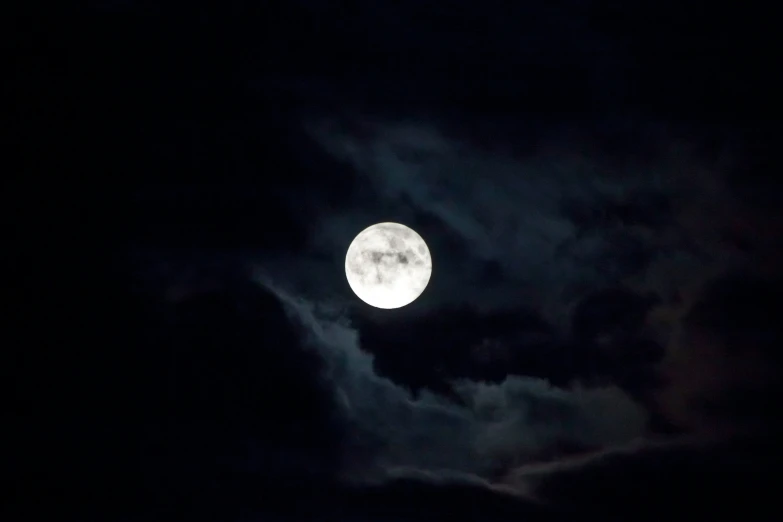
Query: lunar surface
[{"x": 388, "y": 265}]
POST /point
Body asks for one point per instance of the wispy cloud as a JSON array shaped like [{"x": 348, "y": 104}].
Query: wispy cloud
[
  {"x": 495, "y": 425},
  {"x": 558, "y": 223}
]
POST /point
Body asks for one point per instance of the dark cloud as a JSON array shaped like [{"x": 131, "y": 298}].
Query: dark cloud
[
  {"x": 550, "y": 226},
  {"x": 488, "y": 427},
  {"x": 559, "y": 229},
  {"x": 723, "y": 364},
  {"x": 662, "y": 480},
  {"x": 646, "y": 224}
]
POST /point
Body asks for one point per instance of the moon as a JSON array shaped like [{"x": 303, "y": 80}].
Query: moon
[{"x": 388, "y": 265}]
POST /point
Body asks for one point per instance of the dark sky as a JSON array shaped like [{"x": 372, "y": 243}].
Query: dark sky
[{"x": 597, "y": 183}]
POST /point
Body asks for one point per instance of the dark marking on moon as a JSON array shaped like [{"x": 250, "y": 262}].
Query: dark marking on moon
[
  {"x": 402, "y": 259},
  {"x": 421, "y": 249}
]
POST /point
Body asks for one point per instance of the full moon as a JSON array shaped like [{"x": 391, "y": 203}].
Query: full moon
[{"x": 388, "y": 265}]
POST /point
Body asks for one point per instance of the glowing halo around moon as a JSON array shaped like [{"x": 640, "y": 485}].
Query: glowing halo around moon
[{"x": 388, "y": 265}]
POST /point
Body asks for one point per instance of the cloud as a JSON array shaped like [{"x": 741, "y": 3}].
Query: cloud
[
  {"x": 495, "y": 425},
  {"x": 567, "y": 221},
  {"x": 723, "y": 365},
  {"x": 660, "y": 480},
  {"x": 561, "y": 222},
  {"x": 559, "y": 226}
]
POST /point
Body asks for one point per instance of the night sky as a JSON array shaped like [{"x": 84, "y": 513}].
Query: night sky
[{"x": 598, "y": 184}]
